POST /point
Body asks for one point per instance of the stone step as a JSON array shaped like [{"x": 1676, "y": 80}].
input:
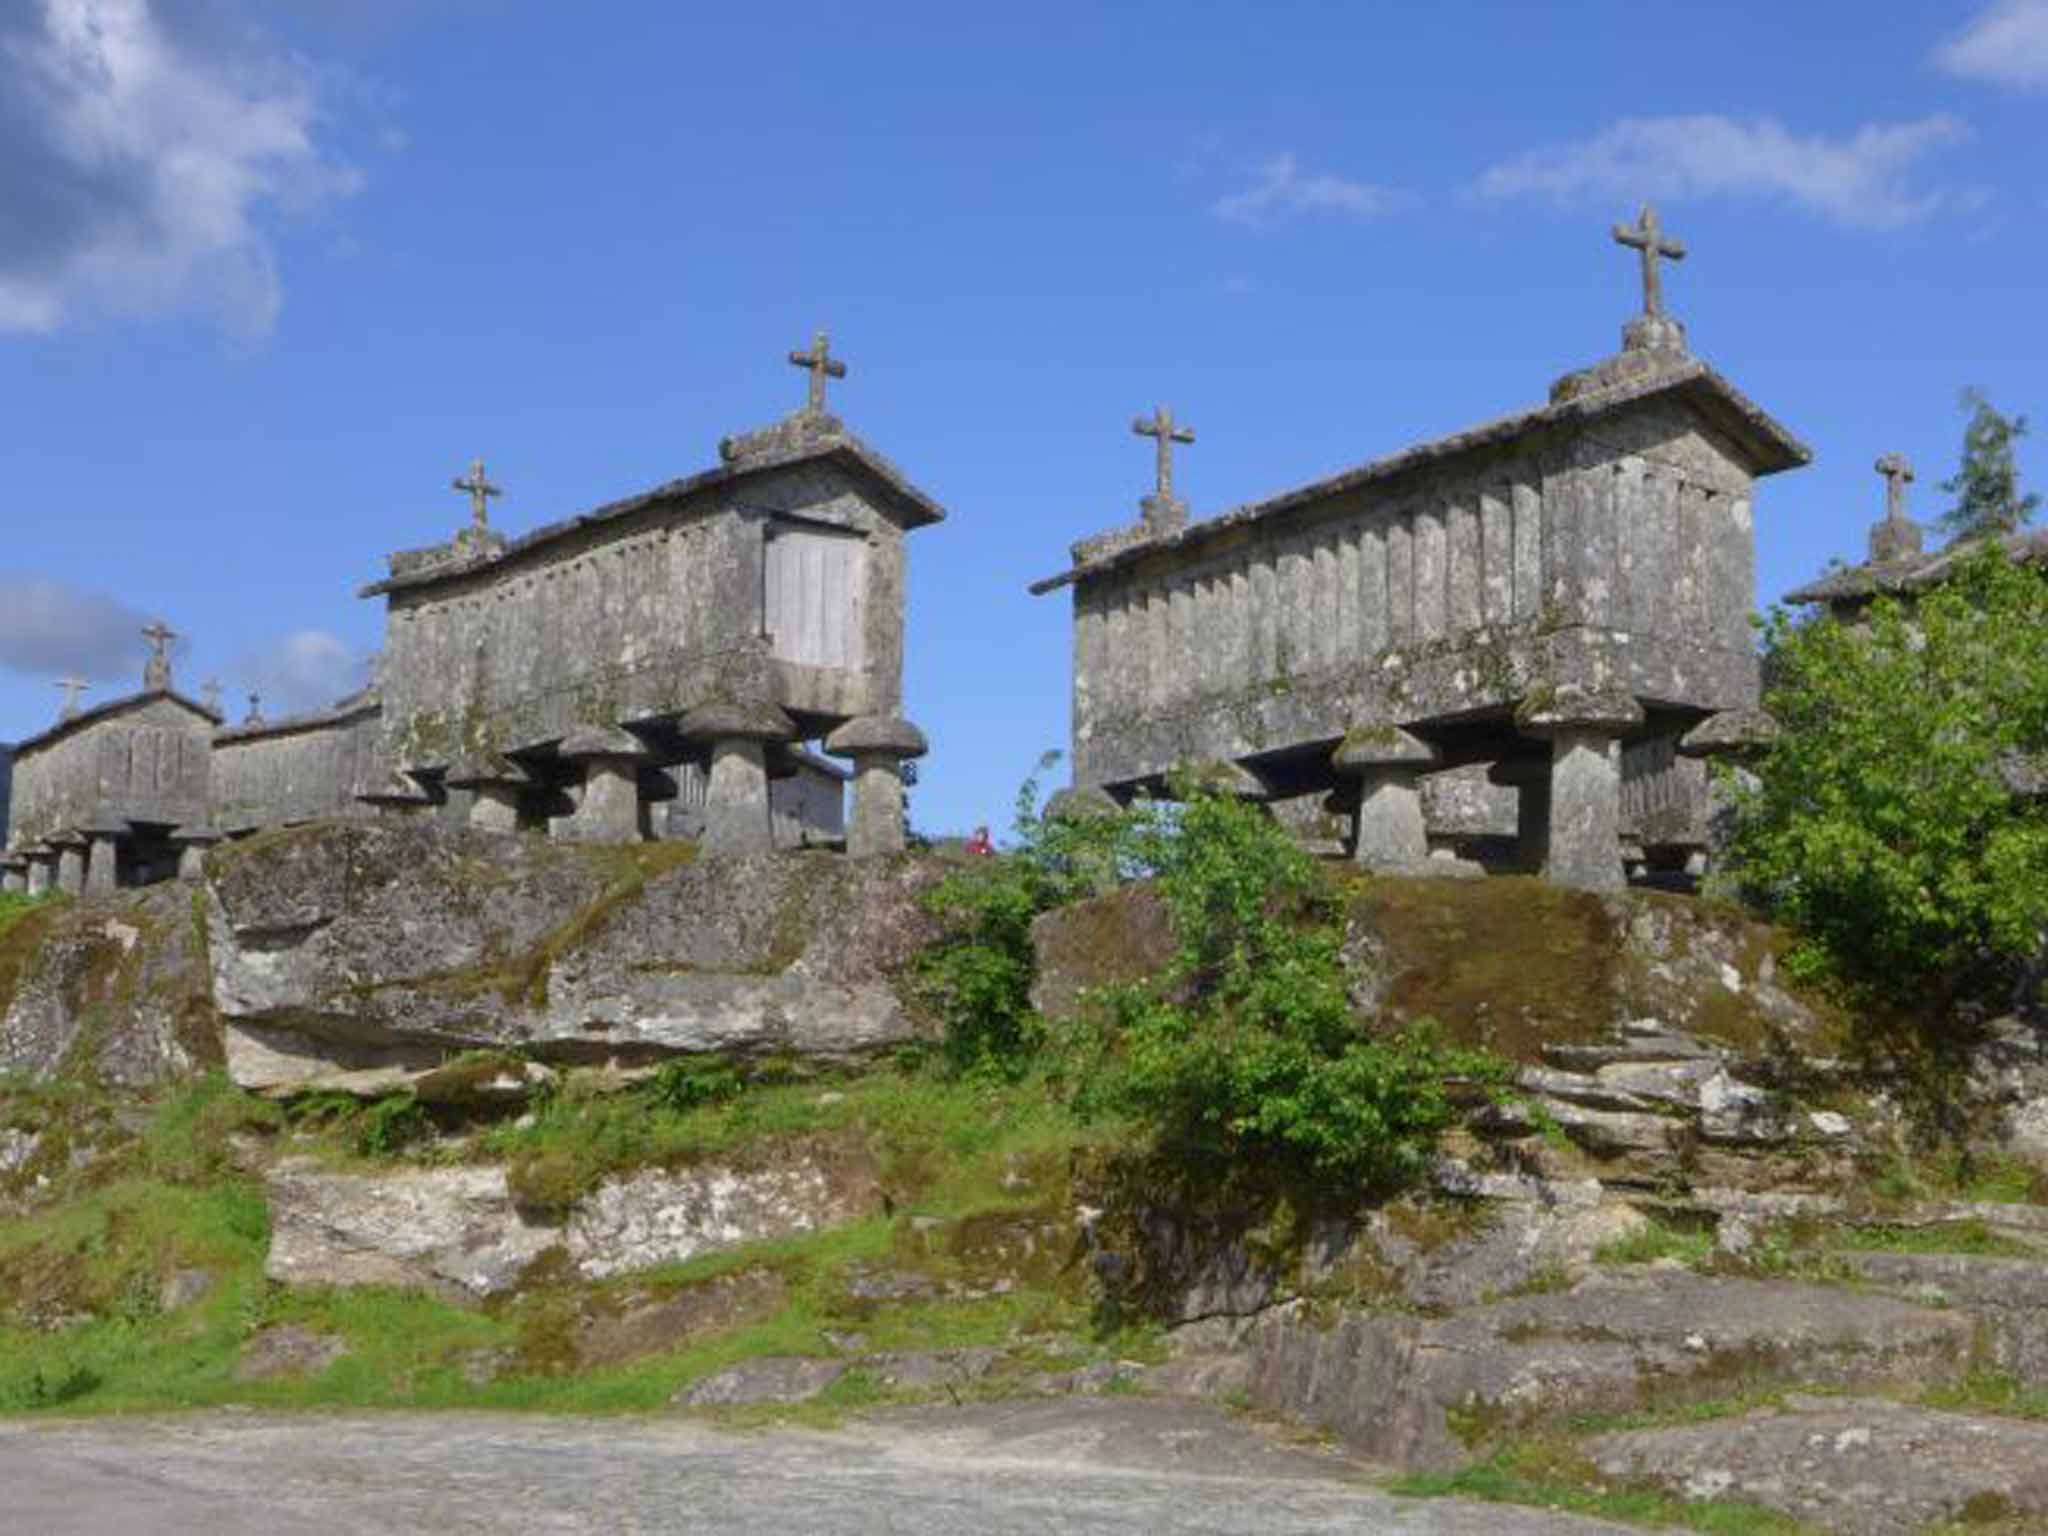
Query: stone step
[
  {"x": 1426, "y": 1392},
  {"x": 2006, "y": 1297},
  {"x": 1860, "y": 1467},
  {"x": 1640, "y": 1050}
]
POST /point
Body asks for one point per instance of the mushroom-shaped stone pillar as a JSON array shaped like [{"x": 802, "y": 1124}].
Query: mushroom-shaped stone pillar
[
  {"x": 102, "y": 857},
  {"x": 496, "y": 783},
  {"x": 395, "y": 794},
  {"x": 1584, "y": 727},
  {"x": 1218, "y": 776},
  {"x": 1082, "y": 803},
  {"x": 736, "y": 815},
  {"x": 1388, "y": 763},
  {"x": 1737, "y": 738},
  {"x": 42, "y": 870},
  {"x": 70, "y": 862},
  {"x": 609, "y": 810},
  {"x": 879, "y": 746},
  {"x": 14, "y": 875},
  {"x": 192, "y": 845}
]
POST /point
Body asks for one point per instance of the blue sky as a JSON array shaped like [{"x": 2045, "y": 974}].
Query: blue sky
[{"x": 271, "y": 274}]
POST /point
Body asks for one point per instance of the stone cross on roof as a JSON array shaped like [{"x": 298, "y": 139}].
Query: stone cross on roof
[
  {"x": 255, "y": 708},
  {"x": 1647, "y": 237},
  {"x": 480, "y": 491},
  {"x": 1898, "y": 474},
  {"x": 1898, "y": 536},
  {"x": 1161, "y": 425},
  {"x": 157, "y": 674},
  {"x": 822, "y": 366},
  {"x": 73, "y": 687}
]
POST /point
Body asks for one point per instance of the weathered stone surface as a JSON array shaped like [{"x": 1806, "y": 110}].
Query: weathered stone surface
[
  {"x": 117, "y": 988},
  {"x": 1384, "y": 1382},
  {"x": 453, "y": 1231},
  {"x": 287, "y": 1350},
  {"x": 653, "y": 1325},
  {"x": 770, "y": 1379},
  {"x": 460, "y": 1233},
  {"x": 377, "y": 944},
  {"x": 656, "y": 1217},
  {"x": 2006, "y": 1297},
  {"x": 1859, "y": 1467}
]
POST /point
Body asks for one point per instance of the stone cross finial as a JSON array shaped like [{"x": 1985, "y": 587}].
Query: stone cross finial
[
  {"x": 209, "y": 695},
  {"x": 822, "y": 365},
  {"x": 157, "y": 674},
  {"x": 73, "y": 687},
  {"x": 1898, "y": 474},
  {"x": 255, "y": 708},
  {"x": 480, "y": 491},
  {"x": 1647, "y": 237},
  {"x": 1161, "y": 425}
]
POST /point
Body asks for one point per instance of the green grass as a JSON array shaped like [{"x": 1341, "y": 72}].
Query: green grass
[
  {"x": 81, "y": 1330},
  {"x": 1659, "y": 1239},
  {"x": 1970, "y": 1237},
  {"x": 1553, "y": 1474}
]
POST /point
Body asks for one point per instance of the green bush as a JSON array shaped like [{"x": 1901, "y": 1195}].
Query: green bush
[
  {"x": 1244, "y": 1058},
  {"x": 1883, "y": 826}
]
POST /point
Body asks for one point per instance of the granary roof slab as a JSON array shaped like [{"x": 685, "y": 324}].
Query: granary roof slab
[
  {"x": 800, "y": 439},
  {"x": 1915, "y": 573},
  {"x": 365, "y": 701},
  {"x": 108, "y": 711},
  {"x": 1768, "y": 445}
]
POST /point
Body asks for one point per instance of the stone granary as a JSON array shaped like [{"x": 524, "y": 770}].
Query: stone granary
[
  {"x": 1535, "y": 594},
  {"x": 577, "y": 677},
  {"x": 1899, "y": 564},
  {"x": 114, "y": 795}
]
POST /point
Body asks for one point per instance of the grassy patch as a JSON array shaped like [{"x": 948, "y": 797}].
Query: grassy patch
[
  {"x": 1659, "y": 1239},
  {"x": 1554, "y": 1474},
  {"x": 1970, "y": 1237}
]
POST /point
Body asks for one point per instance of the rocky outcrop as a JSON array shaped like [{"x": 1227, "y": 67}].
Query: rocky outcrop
[
  {"x": 375, "y": 944},
  {"x": 459, "y": 1232},
  {"x": 114, "y": 989},
  {"x": 1419, "y": 1391},
  {"x": 1860, "y": 1467}
]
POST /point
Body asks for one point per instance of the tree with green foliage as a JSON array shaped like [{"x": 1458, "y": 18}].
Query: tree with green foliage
[
  {"x": 1987, "y": 485},
  {"x": 1896, "y": 824},
  {"x": 1243, "y": 1058}
]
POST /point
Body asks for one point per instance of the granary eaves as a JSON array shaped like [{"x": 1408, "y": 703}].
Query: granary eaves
[
  {"x": 837, "y": 444},
  {"x": 1767, "y": 444},
  {"x": 108, "y": 711},
  {"x": 1917, "y": 573}
]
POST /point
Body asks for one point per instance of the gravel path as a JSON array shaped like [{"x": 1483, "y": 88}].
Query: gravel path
[{"x": 1069, "y": 1465}]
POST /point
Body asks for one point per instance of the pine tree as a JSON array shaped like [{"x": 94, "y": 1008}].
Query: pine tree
[{"x": 1987, "y": 486}]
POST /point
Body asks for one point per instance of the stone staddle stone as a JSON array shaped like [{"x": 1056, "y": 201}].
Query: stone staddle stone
[
  {"x": 736, "y": 810},
  {"x": 727, "y": 721},
  {"x": 1390, "y": 831},
  {"x": 599, "y": 741},
  {"x": 1083, "y": 802},
  {"x": 878, "y": 745},
  {"x": 1735, "y": 733},
  {"x": 1582, "y": 832}
]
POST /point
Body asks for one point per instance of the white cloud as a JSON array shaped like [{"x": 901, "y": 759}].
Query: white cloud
[
  {"x": 1863, "y": 178},
  {"x": 307, "y": 669},
  {"x": 49, "y": 629},
  {"x": 148, "y": 144},
  {"x": 2005, "y": 43},
  {"x": 1280, "y": 186}
]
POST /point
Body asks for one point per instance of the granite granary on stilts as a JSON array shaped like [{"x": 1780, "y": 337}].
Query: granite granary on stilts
[
  {"x": 1548, "y": 595},
  {"x": 653, "y": 668}
]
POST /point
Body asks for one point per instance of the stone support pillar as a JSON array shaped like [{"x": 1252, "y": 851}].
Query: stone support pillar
[
  {"x": 608, "y": 808},
  {"x": 41, "y": 873},
  {"x": 70, "y": 865},
  {"x": 879, "y": 746},
  {"x": 1388, "y": 832},
  {"x": 14, "y": 877},
  {"x": 1735, "y": 738},
  {"x": 1584, "y": 727},
  {"x": 736, "y": 812},
  {"x": 102, "y": 863},
  {"x": 493, "y": 785},
  {"x": 192, "y": 845}
]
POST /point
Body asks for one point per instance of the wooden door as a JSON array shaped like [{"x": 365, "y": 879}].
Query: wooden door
[{"x": 816, "y": 589}]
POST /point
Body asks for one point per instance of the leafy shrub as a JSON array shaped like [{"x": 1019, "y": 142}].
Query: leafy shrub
[
  {"x": 1883, "y": 825},
  {"x": 1245, "y": 1056},
  {"x": 687, "y": 1083}
]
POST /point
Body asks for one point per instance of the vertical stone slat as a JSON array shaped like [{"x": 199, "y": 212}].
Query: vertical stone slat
[
  {"x": 1526, "y": 508},
  {"x": 1265, "y": 589},
  {"x": 1374, "y": 608},
  {"x": 1401, "y": 577},
  {"x": 1349, "y": 646},
  {"x": 1496, "y": 555},
  {"x": 1463, "y": 578},
  {"x": 1327, "y": 629},
  {"x": 1429, "y": 576}
]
